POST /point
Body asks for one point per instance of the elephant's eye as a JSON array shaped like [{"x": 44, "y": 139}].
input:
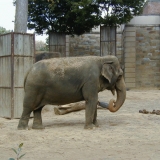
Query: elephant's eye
[{"x": 119, "y": 77}]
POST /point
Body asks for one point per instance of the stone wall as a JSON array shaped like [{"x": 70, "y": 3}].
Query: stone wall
[
  {"x": 86, "y": 44},
  {"x": 119, "y": 47},
  {"x": 148, "y": 56},
  {"x": 89, "y": 44},
  {"x": 138, "y": 50}
]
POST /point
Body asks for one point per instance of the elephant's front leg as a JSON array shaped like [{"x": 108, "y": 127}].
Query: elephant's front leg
[
  {"x": 90, "y": 94},
  {"x": 95, "y": 118},
  {"x": 91, "y": 113}
]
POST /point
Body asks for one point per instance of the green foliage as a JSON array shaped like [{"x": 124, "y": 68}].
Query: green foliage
[
  {"x": 79, "y": 16},
  {"x": 3, "y": 30},
  {"x": 17, "y": 152},
  {"x": 41, "y": 46},
  {"x": 66, "y": 16},
  {"x": 120, "y": 11}
]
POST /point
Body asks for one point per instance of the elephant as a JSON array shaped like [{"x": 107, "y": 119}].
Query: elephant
[
  {"x": 60, "y": 81},
  {"x": 46, "y": 55}
]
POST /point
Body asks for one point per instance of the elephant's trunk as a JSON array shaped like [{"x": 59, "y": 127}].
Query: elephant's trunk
[{"x": 121, "y": 96}]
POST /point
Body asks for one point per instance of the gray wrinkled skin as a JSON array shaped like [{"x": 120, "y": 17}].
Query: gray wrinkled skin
[{"x": 60, "y": 81}]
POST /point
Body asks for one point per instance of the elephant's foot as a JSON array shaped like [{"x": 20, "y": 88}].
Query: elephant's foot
[
  {"x": 23, "y": 125},
  {"x": 96, "y": 124},
  {"x": 38, "y": 126},
  {"x": 89, "y": 126}
]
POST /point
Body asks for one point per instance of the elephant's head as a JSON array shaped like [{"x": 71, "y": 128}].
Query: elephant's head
[{"x": 112, "y": 71}]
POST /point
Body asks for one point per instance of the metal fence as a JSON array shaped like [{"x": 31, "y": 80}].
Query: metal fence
[
  {"x": 57, "y": 43},
  {"x": 16, "y": 57},
  {"x": 107, "y": 40}
]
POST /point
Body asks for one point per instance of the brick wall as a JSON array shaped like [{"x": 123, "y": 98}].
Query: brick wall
[
  {"x": 129, "y": 45},
  {"x": 148, "y": 56}
]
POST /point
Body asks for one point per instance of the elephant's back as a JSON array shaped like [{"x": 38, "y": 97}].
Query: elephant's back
[{"x": 63, "y": 68}]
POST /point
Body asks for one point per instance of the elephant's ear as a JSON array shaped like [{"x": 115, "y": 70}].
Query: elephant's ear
[{"x": 107, "y": 71}]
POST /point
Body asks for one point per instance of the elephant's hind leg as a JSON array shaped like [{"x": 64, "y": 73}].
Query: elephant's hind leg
[
  {"x": 37, "y": 122},
  {"x": 23, "y": 122},
  {"x": 31, "y": 101}
]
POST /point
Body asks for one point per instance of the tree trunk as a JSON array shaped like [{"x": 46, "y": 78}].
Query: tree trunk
[{"x": 21, "y": 16}]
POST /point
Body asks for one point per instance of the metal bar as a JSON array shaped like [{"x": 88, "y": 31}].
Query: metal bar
[
  {"x": 100, "y": 41},
  {"x": 5, "y": 56},
  {"x": 23, "y": 33},
  {"x": 15, "y": 56},
  {"x": 16, "y": 33},
  {"x": 18, "y": 87},
  {"x": 115, "y": 40},
  {"x": 5, "y": 34},
  {"x": 12, "y": 75},
  {"x": 56, "y": 45},
  {"x": 34, "y": 48},
  {"x": 5, "y": 87},
  {"x": 22, "y": 56},
  {"x": 65, "y": 47}
]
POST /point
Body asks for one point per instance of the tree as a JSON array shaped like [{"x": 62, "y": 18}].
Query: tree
[
  {"x": 41, "y": 46},
  {"x": 79, "y": 16},
  {"x": 21, "y": 16},
  {"x": 66, "y": 16},
  {"x": 3, "y": 30},
  {"x": 117, "y": 12}
]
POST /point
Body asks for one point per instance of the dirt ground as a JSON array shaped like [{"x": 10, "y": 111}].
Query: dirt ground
[{"x": 124, "y": 135}]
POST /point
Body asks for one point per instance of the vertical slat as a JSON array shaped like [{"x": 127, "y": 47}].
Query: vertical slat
[
  {"x": 5, "y": 75},
  {"x": 21, "y": 66},
  {"x": 18, "y": 102},
  {"x": 5, "y": 45},
  {"x": 5, "y": 72},
  {"x": 57, "y": 43},
  {"x": 18, "y": 44},
  {"x": 12, "y": 74},
  {"x": 5, "y": 103},
  {"x": 107, "y": 40},
  {"x": 28, "y": 45}
]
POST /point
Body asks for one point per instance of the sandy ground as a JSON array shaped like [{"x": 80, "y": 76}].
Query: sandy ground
[{"x": 124, "y": 135}]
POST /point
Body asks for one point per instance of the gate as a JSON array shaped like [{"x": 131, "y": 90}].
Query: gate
[
  {"x": 107, "y": 40},
  {"x": 16, "y": 57},
  {"x": 57, "y": 43}
]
